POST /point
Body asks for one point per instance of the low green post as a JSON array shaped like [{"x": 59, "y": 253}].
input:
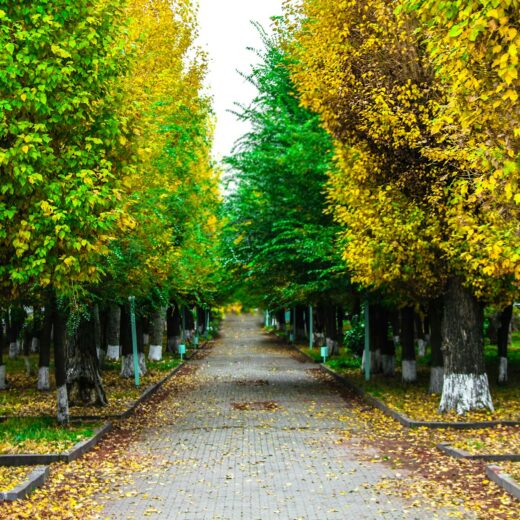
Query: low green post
[
  {"x": 134, "y": 340},
  {"x": 311, "y": 326},
  {"x": 367, "y": 341}
]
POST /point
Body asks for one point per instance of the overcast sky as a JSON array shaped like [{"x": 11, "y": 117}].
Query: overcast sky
[{"x": 226, "y": 32}]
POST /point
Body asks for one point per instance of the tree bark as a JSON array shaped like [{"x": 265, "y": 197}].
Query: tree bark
[
  {"x": 16, "y": 321},
  {"x": 378, "y": 323},
  {"x": 45, "y": 351},
  {"x": 409, "y": 364},
  {"x": 386, "y": 344},
  {"x": 58, "y": 326},
  {"x": 156, "y": 336},
  {"x": 421, "y": 335},
  {"x": 127, "y": 360},
  {"x": 331, "y": 332},
  {"x": 84, "y": 383},
  {"x": 113, "y": 333},
  {"x": 300, "y": 322},
  {"x": 466, "y": 385},
  {"x": 437, "y": 362},
  {"x": 3, "y": 342},
  {"x": 503, "y": 336},
  {"x": 26, "y": 348},
  {"x": 173, "y": 326},
  {"x": 201, "y": 320}
]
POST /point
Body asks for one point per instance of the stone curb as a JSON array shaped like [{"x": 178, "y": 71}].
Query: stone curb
[
  {"x": 79, "y": 449},
  {"x": 503, "y": 480},
  {"x": 34, "y": 480},
  {"x": 463, "y": 454},
  {"x": 401, "y": 418}
]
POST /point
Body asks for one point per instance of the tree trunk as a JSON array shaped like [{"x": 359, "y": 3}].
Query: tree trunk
[
  {"x": 113, "y": 333},
  {"x": 156, "y": 336},
  {"x": 386, "y": 345},
  {"x": 201, "y": 320},
  {"x": 466, "y": 385},
  {"x": 3, "y": 341},
  {"x": 16, "y": 322},
  {"x": 26, "y": 349},
  {"x": 84, "y": 384},
  {"x": 173, "y": 326},
  {"x": 300, "y": 322},
  {"x": 58, "y": 326},
  {"x": 280, "y": 319},
  {"x": 421, "y": 336},
  {"x": 409, "y": 365},
  {"x": 437, "y": 363},
  {"x": 503, "y": 337},
  {"x": 127, "y": 360},
  {"x": 331, "y": 331},
  {"x": 139, "y": 323},
  {"x": 45, "y": 351},
  {"x": 36, "y": 329},
  {"x": 378, "y": 324}
]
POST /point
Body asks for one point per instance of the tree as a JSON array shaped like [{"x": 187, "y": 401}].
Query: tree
[
  {"x": 277, "y": 238},
  {"x": 407, "y": 206}
]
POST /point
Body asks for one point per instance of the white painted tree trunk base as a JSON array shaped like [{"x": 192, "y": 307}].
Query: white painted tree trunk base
[
  {"x": 63, "y": 404},
  {"x": 409, "y": 370},
  {"x": 43, "y": 379},
  {"x": 13, "y": 350},
  {"x": 3, "y": 384},
  {"x": 142, "y": 364},
  {"x": 113, "y": 352},
  {"x": 127, "y": 366},
  {"x": 155, "y": 353},
  {"x": 421, "y": 347},
  {"x": 388, "y": 364},
  {"x": 396, "y": 339},
  {"x": 464, "y": 392},
  {"x": 146, "y": 339},
  {"x": 35, "y": 345},
  {"x": 502, "y": 370},
  {"x": 332, "y": 345},
  {"x": 436, "y": 380}
]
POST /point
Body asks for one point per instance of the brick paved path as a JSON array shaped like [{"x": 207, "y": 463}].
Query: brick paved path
[{"x": 257, "y": 437}]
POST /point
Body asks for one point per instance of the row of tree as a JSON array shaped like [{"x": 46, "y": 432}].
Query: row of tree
[
  {"x": 107, "y": 186},
  {"x": 400, "y": 120}
]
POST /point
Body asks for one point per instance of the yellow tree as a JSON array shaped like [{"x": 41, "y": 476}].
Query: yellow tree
[{"x": 414, "y": 215}]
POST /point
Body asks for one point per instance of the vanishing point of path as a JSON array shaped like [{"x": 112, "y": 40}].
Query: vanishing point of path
[{"x": 256, "y": 436}]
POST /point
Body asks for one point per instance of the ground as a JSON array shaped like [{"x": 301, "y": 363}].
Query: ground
[{"x": 251, "y": 430}]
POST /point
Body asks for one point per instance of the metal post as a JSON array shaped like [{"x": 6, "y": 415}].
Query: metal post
[
  {"x": 311, "y": 326},
  {"x": 134, "y": 340},
  {"x": 367, "y": 340}
]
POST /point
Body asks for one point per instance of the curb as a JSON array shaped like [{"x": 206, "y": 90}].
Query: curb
[
  {"x": 406, "y": 421},
  {"x": 79, "y": 449},
  {"x": 447, "y": 449},
  {"x": 35, "y": 480},
  {"x": 503, "y": 480}
]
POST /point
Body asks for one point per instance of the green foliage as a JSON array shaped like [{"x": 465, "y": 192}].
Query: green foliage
[
  {"x": 354, "y": 338},
  {"x": 278, "y": 239},
  {"x": 60, "y": 139}
]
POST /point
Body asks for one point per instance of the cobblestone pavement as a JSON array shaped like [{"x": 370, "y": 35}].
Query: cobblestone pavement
[{"x": 257, "y": 437}]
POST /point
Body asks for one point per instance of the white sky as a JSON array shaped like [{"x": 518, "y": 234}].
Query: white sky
[{"x": 225, "y": 33}]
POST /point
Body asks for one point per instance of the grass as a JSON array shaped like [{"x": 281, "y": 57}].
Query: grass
[
  {"x": 45, "y": 435},
  {"x": 492, "y": 441}
]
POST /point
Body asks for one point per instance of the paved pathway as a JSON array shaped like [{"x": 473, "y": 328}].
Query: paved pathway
[{"x": 258, "y": 437}]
